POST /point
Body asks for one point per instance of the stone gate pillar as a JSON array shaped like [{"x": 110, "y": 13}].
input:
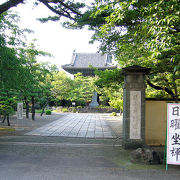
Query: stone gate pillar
[{"x": 134, "y": 106}]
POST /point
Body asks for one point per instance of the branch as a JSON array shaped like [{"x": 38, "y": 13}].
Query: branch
[
  {"x": 45, "y": 2},
  {"x": 161, "y": 88},
  {"x": 65, "y": 5},
  {"x": 68, "y": 7},
  {"x": 9, "y": 4}
]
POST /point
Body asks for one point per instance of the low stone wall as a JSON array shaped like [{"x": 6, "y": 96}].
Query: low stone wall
[{"x": 96, "y": 110}]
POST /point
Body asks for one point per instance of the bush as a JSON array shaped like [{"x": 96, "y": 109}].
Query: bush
[
  {"x": 38, "y": 110},
  {"x": 79, "y": 107},
  {"x": 72, "y": 109},
  {"x": 65, "y": 110},
  {"x": 116, "y": 103},
  {"x": 103, "y": 107},
  {"x": 114, "y": 114},
  {"x": 48, "y": 112}
]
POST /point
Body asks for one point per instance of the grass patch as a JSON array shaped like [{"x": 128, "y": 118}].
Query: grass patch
[
  {"x": 38, "y": 110},
  {"x": 7, "y": 129},
  {"x": 123, "y": 159}
]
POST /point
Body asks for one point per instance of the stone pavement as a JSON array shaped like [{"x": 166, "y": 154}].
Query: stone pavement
[{"x": 77, "y": 125}]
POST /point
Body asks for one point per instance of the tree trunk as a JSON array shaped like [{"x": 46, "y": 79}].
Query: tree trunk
[
  {"x": 33, "y": 108},
  {"x": 43, "y": 108},
  {"x": 4, "y": 118},
  {"x": 42, "y": 111},
  {"x": 169, "y": 91},
  {"x": 27, "y": 107},
  {"x": 8, "y": 122}
]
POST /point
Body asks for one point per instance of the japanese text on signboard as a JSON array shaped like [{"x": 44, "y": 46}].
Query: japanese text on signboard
[{"x": 173, "y": 138}]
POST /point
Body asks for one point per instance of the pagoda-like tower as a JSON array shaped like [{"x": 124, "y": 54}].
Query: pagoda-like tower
[{"x": 81, "y": 62}]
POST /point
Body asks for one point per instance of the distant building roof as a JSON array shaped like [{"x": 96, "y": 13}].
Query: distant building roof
[{"x": 81, "y": 62}]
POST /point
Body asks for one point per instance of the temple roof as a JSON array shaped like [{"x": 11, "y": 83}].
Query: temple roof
[{"x": 81, "y": 62}]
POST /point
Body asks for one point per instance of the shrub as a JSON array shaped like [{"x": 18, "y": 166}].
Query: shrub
[
  {"x": 48, "y": 112},
  {"x": 65, "y": 110},
  {"x": 38, "y": 110},
  {"x": 72, "y": 109},
  {"x": 114, "y": 114},
  {"x": 79, "y": 107},
  {"x": 103, "y": 107}
]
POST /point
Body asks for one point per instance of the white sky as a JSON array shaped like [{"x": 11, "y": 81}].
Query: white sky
[{"x": 52, "y": 38}]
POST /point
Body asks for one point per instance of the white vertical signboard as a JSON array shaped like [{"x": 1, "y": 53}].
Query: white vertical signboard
[
  {"x": 135, "y": 114},
  {"x": 173, "y": 134},
  {"x": 19, "y": 110}
]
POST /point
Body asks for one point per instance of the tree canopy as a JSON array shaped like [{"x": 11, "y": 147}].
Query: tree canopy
[
  {"x": 21, "y": 76},
  {"x": 142, "y": 33}
]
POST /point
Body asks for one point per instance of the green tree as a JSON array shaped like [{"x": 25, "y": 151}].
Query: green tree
[
  {"x": 21, "y": 77},
  {"x": 62, "y": 85},
  {"x": 7, "y": 102},
  {"x": 11, "y": 67},
  {"x": 142, "y": 33},
  {"x": 35, "y": 78},
  {"x": 82, "y": 89},
  {"x": 109, "y": 83}
]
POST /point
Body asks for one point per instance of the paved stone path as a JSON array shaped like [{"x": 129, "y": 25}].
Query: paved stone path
[{"x": 77, "y": 125}]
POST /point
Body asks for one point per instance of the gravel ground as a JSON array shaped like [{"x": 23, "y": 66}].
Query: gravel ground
[{"x": 40, "y": 158}]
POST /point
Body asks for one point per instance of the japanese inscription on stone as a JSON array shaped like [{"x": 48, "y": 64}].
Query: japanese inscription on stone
[
  {"x": 173, "y": 136},
  {"x": 135, "y": 114},
  {"x": 19, "y": 110}
]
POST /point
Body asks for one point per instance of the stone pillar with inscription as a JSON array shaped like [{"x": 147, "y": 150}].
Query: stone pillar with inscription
[{"x": 134, "y": 107}]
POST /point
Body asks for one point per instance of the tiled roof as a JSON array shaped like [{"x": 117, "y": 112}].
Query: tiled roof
[
  {"x": 81, "y": 62},
  {"x": 84, "y": 60}
]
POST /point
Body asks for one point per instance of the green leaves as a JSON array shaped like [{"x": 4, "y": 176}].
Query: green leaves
[
  {"x": 19, "y": 71},
  {"x": 144, "y": 33}
]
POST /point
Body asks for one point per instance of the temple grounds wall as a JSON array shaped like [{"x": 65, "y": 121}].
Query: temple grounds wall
[{"x": 155, "y": 122}]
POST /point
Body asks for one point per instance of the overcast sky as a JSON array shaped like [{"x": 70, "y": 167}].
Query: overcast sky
[{"x": 51, "y": 37}]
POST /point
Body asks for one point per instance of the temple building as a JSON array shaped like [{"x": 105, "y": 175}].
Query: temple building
[{"x": 82, "y": 62}]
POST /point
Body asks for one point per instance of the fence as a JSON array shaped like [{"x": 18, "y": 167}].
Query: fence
[{"x": 156, "y": 120}]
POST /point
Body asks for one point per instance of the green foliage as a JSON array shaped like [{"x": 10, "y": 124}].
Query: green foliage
[
  {"x": 113, "y": 114},
  {"x": 109, "y": 78},
  {"x": 48, "y": 112},
  {"x": 21, "y": 76},
  {"x": 38, "y": 110},
  {"x": 62, "y": 85},
  {"x": 109, "y": 85},
  {"x": 7, "y": 103},
  {"x": 117, "y": 103},
  {"x": 103, "y": 106},
  {"x": 65, "y": 110},
  {"x": 144, "y": 33},
  {"x": 82, "y": 89},
  {"x": 72, "y": 109}
]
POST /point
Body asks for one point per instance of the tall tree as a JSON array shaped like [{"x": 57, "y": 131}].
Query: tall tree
[
  {"x": 34, "y": 81},
  {"x": 62, "y": 85},
  {"x": 142, "y": 33}
]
